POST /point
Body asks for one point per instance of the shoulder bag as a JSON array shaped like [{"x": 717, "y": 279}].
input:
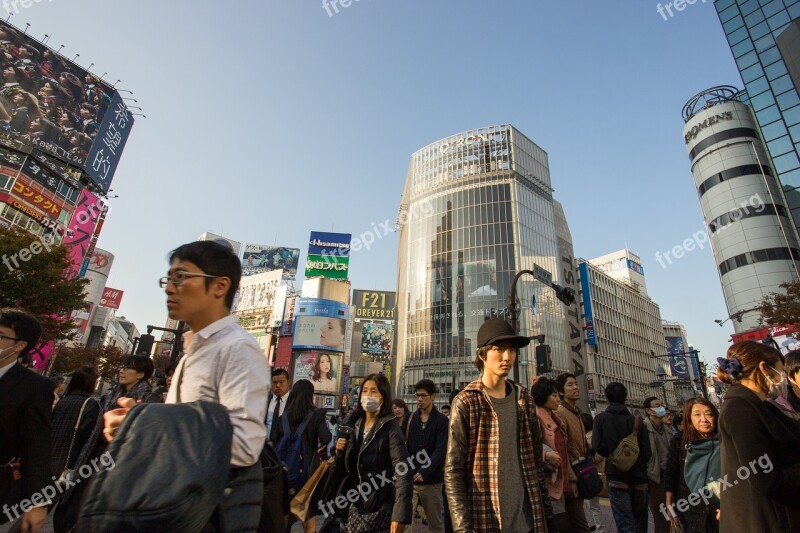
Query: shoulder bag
[{"x": 68, "y": 474}]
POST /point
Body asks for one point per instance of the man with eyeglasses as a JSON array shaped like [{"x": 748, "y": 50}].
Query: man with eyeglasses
[
  {"x": 494, "y": 429},
  {"x": 26, "y": 400},
  {"x": 223, "y": 364},
  {"x": 426, "y": 432}
]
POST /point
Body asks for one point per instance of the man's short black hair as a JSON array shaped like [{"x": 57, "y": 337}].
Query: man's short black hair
[
  {"x": 427, "y": 385},
  {"x": 541, "y": 390},
  {"x": 280, "y": 372},
  {"x": 791, "y": 363},
  {"x": 213, "y": 258},
  {"x": 561, "y": 380},
  {"x": 616, "y": 392},
  {"x": 649, "y": 401},
  {"x": 26, "y": 327}
]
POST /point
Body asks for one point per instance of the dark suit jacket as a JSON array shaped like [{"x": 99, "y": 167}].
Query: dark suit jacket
[{"x": 26, "y": 402}]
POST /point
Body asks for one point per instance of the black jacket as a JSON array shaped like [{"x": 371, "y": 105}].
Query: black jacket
[
  {"x": 315, "y": 435},
  {"x": 26, "y": 402},
  {"x": 610, "y": 427},
  {"x": 375, "y": 459},
  {"x": 756, "y": 436},
  {"x": 433, "y": 440},
  {"x": 65, "y": 416},
  {"x": 698, "y": 518}
]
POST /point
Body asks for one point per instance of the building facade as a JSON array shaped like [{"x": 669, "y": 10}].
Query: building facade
[
  {"x": 623, "y": 332},
  {"x": 477, "y": 208},
  {"x": 682, "y": 361},
  {"x": 747, "y": 217},
  {"x": 762, "y": 35},
  {"x": 625, "y": 266}
]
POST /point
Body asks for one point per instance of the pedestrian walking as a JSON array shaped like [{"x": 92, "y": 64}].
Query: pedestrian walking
[
  {"x": 494, "y": 429},
  {"x": 426, "y": 433},
  {"x": 659, "y": 436},
  {"x": 74, "y": 418},
  {"x": 759, "y": 445},
  {"x": 789, "y": 400},
  {"x": 223, "y": 364},
  {"x": 278, "y": 398},
  {"x": 627, "y": 489}
]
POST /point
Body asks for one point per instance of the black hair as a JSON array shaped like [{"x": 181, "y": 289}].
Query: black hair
[
  {"x": 84, "y": 379},
  {"x": 215, "y": 259},
  {"x": 140, "y": 363},
  {"x": 480, "y": 357},
  {"x": 561, "y": 380},
  {"x": 588, "y": 422},
  {"x": 386, "y": 392},
  {"x": 302, "y": 396},
  {"x": 616, "y": 392},
  {"x": 541, "y": 390},
  {"x": 280, "y": 372},
  {"x": 445, "y": 406},
  {"x": 26, "y": 327},
  {"x": 791, "y": 363},
  {"x": 397, "y": 402},
  {"x": 649, "y": 401},
  {"x": 427, "y": 385},
  {"x": 317, "y": 373}
]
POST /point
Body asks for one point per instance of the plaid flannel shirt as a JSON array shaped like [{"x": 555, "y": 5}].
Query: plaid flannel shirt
[{"x": 475, "y": 486}]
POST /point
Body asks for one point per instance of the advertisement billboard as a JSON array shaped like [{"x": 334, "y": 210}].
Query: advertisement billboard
[
  {"x": 56, "y": 106},
  {"x": 591, "y": 335},
  {"x": 319, "y": 324},
  {"x": 111, "y": 298},
  {"x": 101, "y": 262},
  {"x": 37, "y": 197},
  {"x": 321, "y": 368},
  {"x": 374, "y": 304},
  {"x": 376, "y": 338},
  {"x": 327, "y": 266},
  {"x": 81, "y": 229},
  {"x": 258, "y": 292},
  {"x": 324, "y": 243},
  {"x": 678, "y": 364},
  {"x": 259, "y": 258}
]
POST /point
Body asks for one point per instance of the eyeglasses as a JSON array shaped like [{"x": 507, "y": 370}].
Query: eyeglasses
[
  {"x": 4, "y": 338},
  {"x": 179, "y": 277}
]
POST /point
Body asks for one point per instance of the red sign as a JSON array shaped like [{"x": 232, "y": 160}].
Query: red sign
[
  {"x": 111, "y": 298},
  {"x": 761, "y": 334}
]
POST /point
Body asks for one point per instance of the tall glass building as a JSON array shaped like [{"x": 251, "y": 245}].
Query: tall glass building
[
  {"x": 477, "y": 207},
  {"x": 763, "y": 36}
]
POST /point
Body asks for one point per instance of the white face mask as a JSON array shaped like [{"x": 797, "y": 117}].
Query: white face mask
[
  {"x": 660, "y": 411},
  {"x": 777, "y": 388},
  {"x": 370, "y": 403},
  {"x": 6, "y": 353}
]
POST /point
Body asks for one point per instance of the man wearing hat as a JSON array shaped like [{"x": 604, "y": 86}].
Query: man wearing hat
[{"x": 493, "y": 422}]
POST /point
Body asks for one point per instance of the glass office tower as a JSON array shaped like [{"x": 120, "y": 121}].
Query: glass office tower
[
  {"x": 762, "y": 35},
  {"x": 477, "y": 207}
]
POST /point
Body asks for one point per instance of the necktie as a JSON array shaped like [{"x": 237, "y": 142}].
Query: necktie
[{"x": 276, "y": 413}]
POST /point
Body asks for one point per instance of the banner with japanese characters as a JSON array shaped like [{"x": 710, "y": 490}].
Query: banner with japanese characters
[{"x": 107, "y": 147}]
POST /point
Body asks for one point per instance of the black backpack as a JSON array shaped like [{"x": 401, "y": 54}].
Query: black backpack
[
  {"x": 169, "y": 471},
  {"x": 293, "y": 456}
]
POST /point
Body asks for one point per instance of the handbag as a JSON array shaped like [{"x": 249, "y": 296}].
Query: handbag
[
  {"x": 302, "y": 505},
  {"x": 378, "y": 522},
  {"x": 68, "y": 474},
  {"x": 589, "y": 482}
]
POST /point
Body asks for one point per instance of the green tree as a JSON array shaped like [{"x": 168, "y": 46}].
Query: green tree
[
  {"x": 33, "y": 280},
  {"x": 780, "y": 308},
  {"x": 106, "y": 359}
]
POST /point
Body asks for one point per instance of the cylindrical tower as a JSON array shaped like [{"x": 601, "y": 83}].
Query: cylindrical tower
[{"x": 753, "y": 240}]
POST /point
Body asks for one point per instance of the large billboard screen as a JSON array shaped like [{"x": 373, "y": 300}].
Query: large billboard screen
[
  {"x": 376, "y": 338},
  {"x": 259, "y": 258},
  {"x": 319, "y": 324},
  {"x": 374, "y": 304},
  {"x": 54, "y": 105},
  {"x": 258, "y": 292},
  {"x": 322, "y": 368}
]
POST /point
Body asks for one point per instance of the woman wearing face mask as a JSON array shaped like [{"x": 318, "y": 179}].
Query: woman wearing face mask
[
  {"x": 760, "y": 446},
  {"x": 789, "y": 400},
  {"x": 376, "y": 453}
]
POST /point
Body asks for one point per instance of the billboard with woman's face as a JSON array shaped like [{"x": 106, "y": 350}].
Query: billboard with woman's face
[
  {"x": 319, "y": 325},
  {"x": 321, "y": 368}
]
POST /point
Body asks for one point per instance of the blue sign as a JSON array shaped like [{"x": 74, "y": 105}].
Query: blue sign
[
  {"x": 322, "y": 243},
  {"x": 109, "y": 143},
  {"x": 636, "y": 267},
  {"x": 591, "y": 336},
  {"x": 678, "y": 364},
  {"x": 319, "y": 324}
]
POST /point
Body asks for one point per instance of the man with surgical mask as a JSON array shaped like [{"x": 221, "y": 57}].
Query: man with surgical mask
[{"x": 659, "y": 437}]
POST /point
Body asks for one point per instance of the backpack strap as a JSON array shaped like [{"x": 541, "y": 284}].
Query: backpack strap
[
  {"x": 635, "y": 426},
  {"x": 302, "y": 427},
  {"x": 408, "y": 425}
]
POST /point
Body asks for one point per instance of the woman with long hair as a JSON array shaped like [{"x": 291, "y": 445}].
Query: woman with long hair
[
  {"x": 323, "y": 374},
  {"x": 315, "y": 435},
  {"x": 74, "y": 418},
  {"x": 760, "y": 446},
  {"x": 698, "y": 448},
  {"x": 376, "y": 451}
]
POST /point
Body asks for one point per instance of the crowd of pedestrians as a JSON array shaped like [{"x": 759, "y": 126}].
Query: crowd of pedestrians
[{"x": 501, "y": 459}]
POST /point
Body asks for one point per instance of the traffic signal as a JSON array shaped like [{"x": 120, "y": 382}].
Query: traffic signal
[
  {"x": 543, "y": 361},
  {"x": 145, "y": 345},
  {"x": 564, "y": 294}
]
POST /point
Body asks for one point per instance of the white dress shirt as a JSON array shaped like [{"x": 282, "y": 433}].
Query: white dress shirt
[{"x": 225, "y": 365}]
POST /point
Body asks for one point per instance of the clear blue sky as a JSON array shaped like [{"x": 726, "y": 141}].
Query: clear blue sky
[{"x": 266, "y": 120}]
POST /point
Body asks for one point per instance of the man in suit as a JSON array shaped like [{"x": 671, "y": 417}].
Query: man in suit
[
  {"x": 26, "y": 399},
  {"x": 278, "y": 397}
]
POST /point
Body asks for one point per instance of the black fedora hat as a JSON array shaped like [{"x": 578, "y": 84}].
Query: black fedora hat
[{"x": 495, "y": 330}]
